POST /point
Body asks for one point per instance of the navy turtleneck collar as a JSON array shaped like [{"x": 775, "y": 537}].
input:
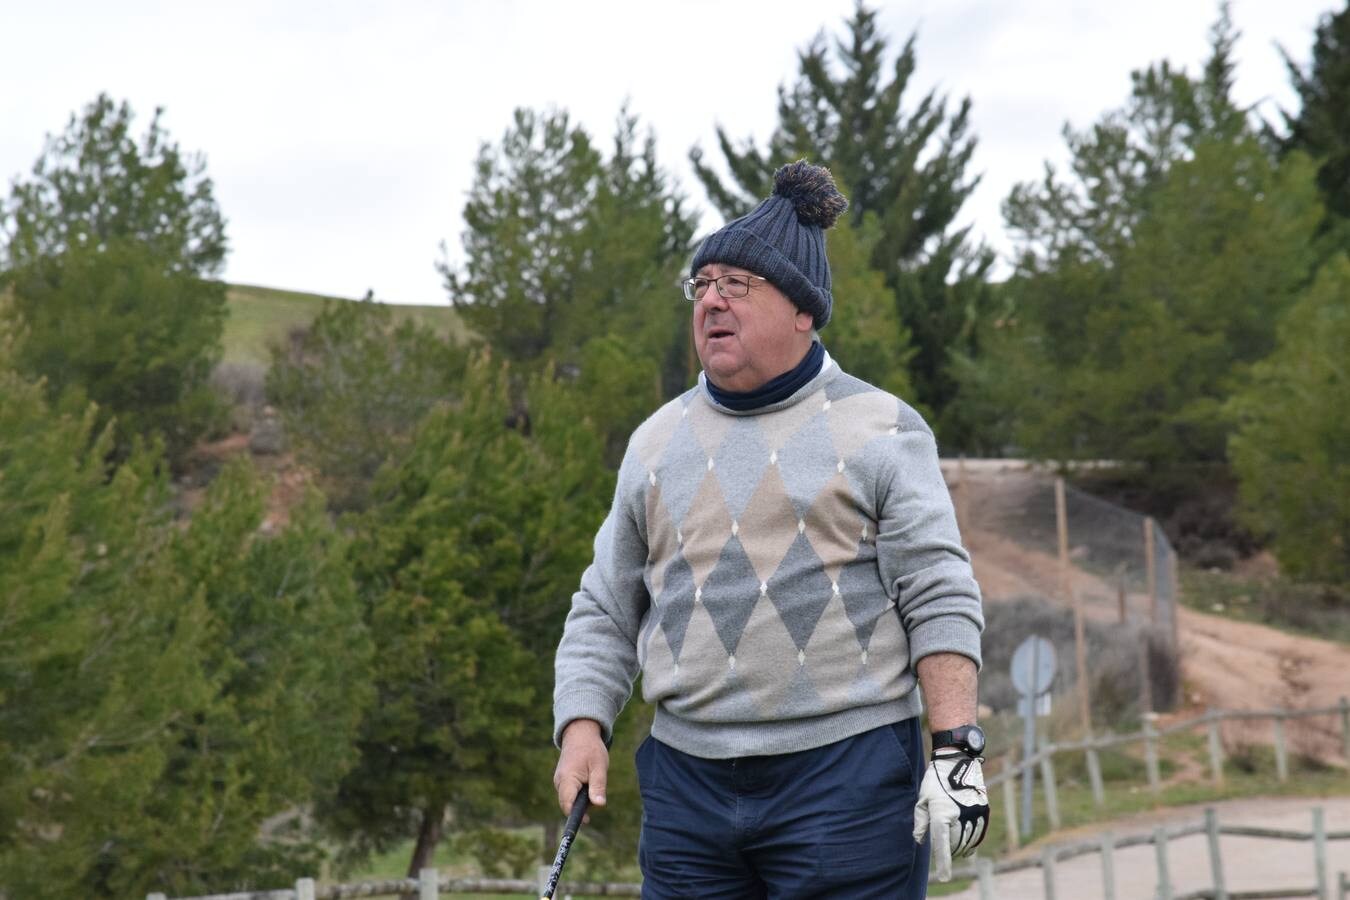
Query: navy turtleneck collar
[{"x": 779, "y": 388}]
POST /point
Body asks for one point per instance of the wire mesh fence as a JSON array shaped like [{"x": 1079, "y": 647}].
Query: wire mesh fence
[{"x": 1045, "y": 553}]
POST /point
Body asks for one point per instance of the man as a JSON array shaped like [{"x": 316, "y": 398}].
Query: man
[{"x": 782, "y": 564}]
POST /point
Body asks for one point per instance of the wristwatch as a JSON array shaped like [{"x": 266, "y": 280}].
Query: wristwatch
[{"x": 969, "y": 739}]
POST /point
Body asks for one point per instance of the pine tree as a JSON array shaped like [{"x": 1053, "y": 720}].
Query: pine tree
[
  {"x": 1150, "y": 282},
  {"x": 907, "y": 170},
  {"x": 165, "y": 689},
  {"x": 1290, "y": 446},
  {"x": 108, "y": 250},
  {"x": 563, "y": 245},
  {"x": 1321, "y": 128},
  {"x": 466, "y": 565}
]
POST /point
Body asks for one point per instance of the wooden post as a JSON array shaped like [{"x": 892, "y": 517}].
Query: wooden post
[
  {"x": 156, "y": 897},
  {"x": 1066, "y": 580},
  {"x": 1345, "y": 728},
  {"x": 1174, "y": 598},
  {"x": 1145, "y": 675},
  {"x": 1048, "y": 870},
  {"x": 1051, "y": 792},
  {"x": 984, "y": 870},
  {"x": 1120, "y": 594},
  {"x": 1108, "y": 866},
  {"x": 1160, "y": 847},
  {"x": 1215, "y": 860},
  {"x": 428, "y": 884},
  {"x": 1215, "y": 747},
  {"x": 1094, "y": 767},
  {"x": 1151, "y": 570},
  {"x": 1151, "y": 755},
  {"x": 1013, "y": 840},
  {"x": 304, "y": 889},
  {"x": 1281, "y": 757},
  {"x": 1320, "y": 853},
  {"x": 541, "y": 879}
]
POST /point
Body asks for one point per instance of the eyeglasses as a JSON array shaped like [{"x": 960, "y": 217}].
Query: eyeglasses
[{"x": 730, "y": 287}]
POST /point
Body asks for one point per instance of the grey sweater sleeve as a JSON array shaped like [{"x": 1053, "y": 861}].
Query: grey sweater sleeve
[
  {"x": 597, "y": 659},
  {"x": 926, "y": 570}
]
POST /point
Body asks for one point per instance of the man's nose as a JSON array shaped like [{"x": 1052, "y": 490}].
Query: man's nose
[{"x": 713, "y": 299}]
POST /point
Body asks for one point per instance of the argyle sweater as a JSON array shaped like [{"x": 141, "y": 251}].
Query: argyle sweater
[{"x": 774, "y": 574}]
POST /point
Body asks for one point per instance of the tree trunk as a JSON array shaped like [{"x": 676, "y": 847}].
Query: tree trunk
[{"x": 428, "y": 836}]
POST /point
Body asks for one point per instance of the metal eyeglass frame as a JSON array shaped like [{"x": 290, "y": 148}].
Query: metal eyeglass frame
[{"x": 691, "y": 290}]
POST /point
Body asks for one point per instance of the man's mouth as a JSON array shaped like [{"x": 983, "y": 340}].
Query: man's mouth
[{"x": 715, "y": 333}]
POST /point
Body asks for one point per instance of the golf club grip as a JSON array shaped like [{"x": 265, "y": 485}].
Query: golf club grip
[{"x": 565, "y": 845}]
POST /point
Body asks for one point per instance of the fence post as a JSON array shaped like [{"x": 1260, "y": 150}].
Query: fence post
[
  {"x": 304, "y": 889},
  {"x": 1345, "y": 728},
  {"x": 428, "y": 884},
  {"x": 1120, "y": 594},
  {"x": 1164, "y": 881},
  {"x": 1281, "y": 758},
  {"x": 1051, "y": 792},
  {"x": 1174, "y": 596},
  {"x": 1094, "y": 767},
  {"x": 1215, "y": 746},
  {"x": 1013, "y": 840},
  {"x": 1108, "y": 866},
  {"x": 1066, "y": 583},
  {"x": 1215, "y": 860},
  {"x": 984, "y": 869},
  {"x": 1151, "y": 568},
  {"x": 541, "y": 879},
  {"x": 1320, "y": 852},
  {"x": 1151, "y": 755},
  {"x": 1145, "y": 675},
  {"x": 1048, "y": 871},
  {"x": 156, "y": 897}
]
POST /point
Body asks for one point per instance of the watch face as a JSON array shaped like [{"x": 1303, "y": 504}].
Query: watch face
[{"x": 975, "y": 738}]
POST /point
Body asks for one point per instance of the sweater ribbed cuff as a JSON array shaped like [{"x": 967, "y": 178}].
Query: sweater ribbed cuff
[{"x": 584, "y": 705}]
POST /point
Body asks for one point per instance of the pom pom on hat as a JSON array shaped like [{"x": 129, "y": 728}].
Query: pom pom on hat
[{"x": 811, "y": 191}]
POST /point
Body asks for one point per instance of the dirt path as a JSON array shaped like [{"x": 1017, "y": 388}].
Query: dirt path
[{"x": 1249, "y": 864}]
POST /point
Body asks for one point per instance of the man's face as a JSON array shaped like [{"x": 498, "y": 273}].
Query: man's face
[{"x": 745, "y": 342}]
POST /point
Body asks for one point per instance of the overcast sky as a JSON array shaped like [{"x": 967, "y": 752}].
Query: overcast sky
[{"x": 341, "y": 135}]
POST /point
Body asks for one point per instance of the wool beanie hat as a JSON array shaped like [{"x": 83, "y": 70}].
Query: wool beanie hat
[{"x": 783, "y": 239}]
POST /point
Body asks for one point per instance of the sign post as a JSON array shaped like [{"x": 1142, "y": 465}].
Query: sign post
[{"x": 1033, "y": 671}]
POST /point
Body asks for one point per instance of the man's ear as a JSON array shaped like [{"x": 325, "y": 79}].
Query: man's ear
[{"x": 803, "y": 321}]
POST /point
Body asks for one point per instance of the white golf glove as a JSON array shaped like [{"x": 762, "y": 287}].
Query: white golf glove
[{"x": 954, "y": 805}]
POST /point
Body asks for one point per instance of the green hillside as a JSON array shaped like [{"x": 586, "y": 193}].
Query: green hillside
[{"x": 261, "y": 316}]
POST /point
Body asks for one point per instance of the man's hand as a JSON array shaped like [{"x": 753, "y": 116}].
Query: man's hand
[
  {"x": 584, "y": 760},
  {"x": 955, "y": 805}
]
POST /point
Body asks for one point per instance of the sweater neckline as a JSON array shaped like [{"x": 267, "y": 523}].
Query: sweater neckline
[{"x": 828, "y": 370}]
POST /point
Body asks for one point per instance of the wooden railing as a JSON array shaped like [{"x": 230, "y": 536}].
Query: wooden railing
[{"x": 1150, "y": 737}]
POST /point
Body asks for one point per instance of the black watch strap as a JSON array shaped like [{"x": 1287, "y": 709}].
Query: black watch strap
[{"x": 960, "y": 738}]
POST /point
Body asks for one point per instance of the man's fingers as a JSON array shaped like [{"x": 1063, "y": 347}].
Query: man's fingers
[
  {"x": 942, "y": 851},
  {"x": 599, "y": 776},
  {"x": 920, "y": 822},
  {"x": 568, "y": 788},
  {"x": 979, "y": 828}
]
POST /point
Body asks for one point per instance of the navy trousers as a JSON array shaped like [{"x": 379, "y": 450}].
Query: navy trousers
[{"x": 833, "y": 822}]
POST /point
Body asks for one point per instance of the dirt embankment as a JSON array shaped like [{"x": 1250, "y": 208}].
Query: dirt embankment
[{"x": 1226, "y": 664}]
